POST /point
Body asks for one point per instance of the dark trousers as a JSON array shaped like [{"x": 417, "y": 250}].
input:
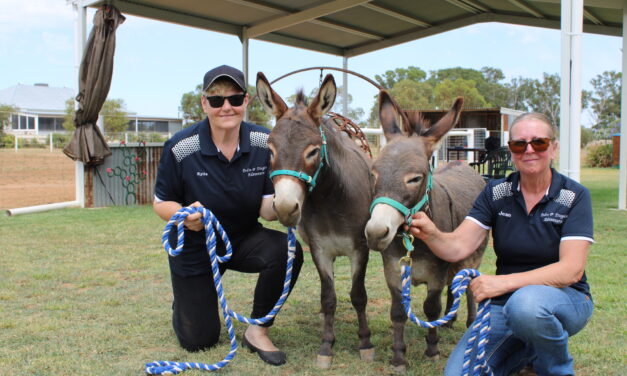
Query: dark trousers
[{"x": 196, "y": 317}]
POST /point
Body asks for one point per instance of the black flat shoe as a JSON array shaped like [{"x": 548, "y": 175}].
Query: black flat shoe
[{"x": 275, "y": 358}]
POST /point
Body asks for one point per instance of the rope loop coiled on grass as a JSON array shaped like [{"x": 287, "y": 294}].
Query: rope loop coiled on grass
[
  {"x": 210, "y": 223},
  {"x": 480, "y": 327}
]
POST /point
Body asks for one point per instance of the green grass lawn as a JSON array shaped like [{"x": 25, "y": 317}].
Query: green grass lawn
[{"x": 87, "y": 292}]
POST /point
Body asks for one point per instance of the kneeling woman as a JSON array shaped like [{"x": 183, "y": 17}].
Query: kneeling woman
[
  {"x": 221, "y": 163},
  {"x": 541, "y": 225}
]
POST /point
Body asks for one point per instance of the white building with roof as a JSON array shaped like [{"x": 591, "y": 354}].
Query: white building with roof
[{"x": 41, "y": 110}]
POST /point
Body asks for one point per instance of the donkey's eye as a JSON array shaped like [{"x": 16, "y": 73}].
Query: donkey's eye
[
  {"x": 414, "y": 180},
  {"x": 313, "y": 153}
]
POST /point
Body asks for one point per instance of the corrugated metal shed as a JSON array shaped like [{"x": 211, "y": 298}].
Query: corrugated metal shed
[{"x": 127, "y": 177}]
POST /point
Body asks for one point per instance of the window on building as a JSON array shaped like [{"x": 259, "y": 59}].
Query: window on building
[
  {"x": 51, "y": 124},
  {"x": 14, "y": 122}
]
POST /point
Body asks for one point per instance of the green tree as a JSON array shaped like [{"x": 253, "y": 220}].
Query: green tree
[
  {"x": 5, "y": 115},
  {"x": 392, "y": 77},
  {"x": 605, "y": 103},
  {"x": 115, "y": 115},
  {"x": 446, "y": 91},
  {"x": 113, "y": 111},
  {"x": 543, "y": 96},
  {"x": 68, "y": 119},
  {"x": 256, "y": 113},
  {"x": 190, "y": 107}
]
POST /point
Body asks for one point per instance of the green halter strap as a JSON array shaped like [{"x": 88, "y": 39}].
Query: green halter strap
[
  {"x": 309, "y": 180},
  {"x": 405, "y": 211}
]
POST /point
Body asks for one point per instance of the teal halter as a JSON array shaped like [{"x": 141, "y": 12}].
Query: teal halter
[
  {"x": 310, "y": 180},
  {"x": 407, "y": 213}
]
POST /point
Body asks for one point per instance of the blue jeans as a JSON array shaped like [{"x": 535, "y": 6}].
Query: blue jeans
[{"x": 532, "y": 327}]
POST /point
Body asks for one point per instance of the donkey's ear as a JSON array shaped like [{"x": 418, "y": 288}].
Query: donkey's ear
[
  {"x": 448, "y": 121},
  {"x": 393, "y": 120},
  {"x": 323, "y": 102},
  {"x": 269, "y": 99}
]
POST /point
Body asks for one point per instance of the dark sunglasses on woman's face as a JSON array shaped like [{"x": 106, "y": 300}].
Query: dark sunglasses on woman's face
[
  {"x": 538, "y": 144},
  {"x": 217, "y": 101}
]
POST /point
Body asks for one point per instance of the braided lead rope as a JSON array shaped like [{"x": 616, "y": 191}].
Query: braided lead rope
[
  {"x": 211, "y": 222},
  {"x": 480, "y": 327}
]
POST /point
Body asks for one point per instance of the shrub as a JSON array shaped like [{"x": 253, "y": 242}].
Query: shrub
[
  {"x": 7, "y": 140},
  {"x": 61, "y": 139},
  {"x": 599, "y": 154}
]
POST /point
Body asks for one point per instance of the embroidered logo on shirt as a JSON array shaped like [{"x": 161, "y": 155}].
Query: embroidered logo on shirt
[
  {"x": 201, "y": 173},
  {"x": 566, "y": 197},
  {"x": 186, "y": 147},
  {"x": 502, "y": 190},
  {"x": 259, "y": 139},
  {"x": 255, "y": 171},
  {"x": 556, "y": 218}
]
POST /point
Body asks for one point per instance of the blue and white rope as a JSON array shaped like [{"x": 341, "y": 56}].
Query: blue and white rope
[
  {"x": 480, "y": 327},
  {"x": 210, "y": 222}
]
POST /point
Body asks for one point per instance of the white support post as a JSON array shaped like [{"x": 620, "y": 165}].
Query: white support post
[
  {"x": 245, "y": 61},
  {"x": 51, "y": 144},
  {"x": 570, "y": 98},
  {"x": 622, "y": 160},
  {"x": 345, "y": 87},
  {"x": 80, "y": 36}
]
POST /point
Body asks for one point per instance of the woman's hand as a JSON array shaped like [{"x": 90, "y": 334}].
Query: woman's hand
[
  {"x": 421, "y": 226},
  {"x": 488, "y": 286},
  {"x": 193, "y": 221}
]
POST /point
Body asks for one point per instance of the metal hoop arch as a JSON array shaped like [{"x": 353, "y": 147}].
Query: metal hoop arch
[{"x": 373, "y": 83}]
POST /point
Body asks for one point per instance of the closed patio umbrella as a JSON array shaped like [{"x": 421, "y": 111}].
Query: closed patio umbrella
[{"x": 87, "y": 144}]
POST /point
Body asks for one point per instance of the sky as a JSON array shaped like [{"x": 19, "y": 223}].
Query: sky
[{"x": 157, "y": 62}]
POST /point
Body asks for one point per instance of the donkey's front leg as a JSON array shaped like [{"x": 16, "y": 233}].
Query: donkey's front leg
[
  {"x": 397, "y": 314},
  {"x": 432, "y": 307},
  {"x": 328, "y": 303},
  {"x": 359, "y": 298}
]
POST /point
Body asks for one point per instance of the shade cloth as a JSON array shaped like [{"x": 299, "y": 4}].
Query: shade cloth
[{"x": 88, "y": 144}]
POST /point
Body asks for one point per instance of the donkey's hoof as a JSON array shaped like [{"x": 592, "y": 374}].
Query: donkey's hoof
[
  {"x": 367, "y": 355},
  {"x": 400, "y": 369},
  {"x": 324, "y": 361},
  {"x": 433, "y": 357}
]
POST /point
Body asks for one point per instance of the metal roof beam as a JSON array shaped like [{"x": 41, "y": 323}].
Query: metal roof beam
[
  {"x": 175, "y": 16},
  {"x": 591, "y": 17},
  {"x": 397, "y": 15},
  {"x": 477, "y": 5},
  {"x": 478, "y": 18},
  {"x": 607, "y": 4},
  {"x": 464, "y": 6},
  {"x": 302, "y": 16},
  {"x": 283, "y": 11},
  {"x": 527, "y": 8}
]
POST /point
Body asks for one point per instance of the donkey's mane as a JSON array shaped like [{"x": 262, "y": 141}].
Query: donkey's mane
[
  {"x": 300, "y": 98},
  {"x": 418, "y": 121}
]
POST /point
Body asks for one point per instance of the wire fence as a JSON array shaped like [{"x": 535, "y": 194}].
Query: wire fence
[{"x": 54, "y": 141}]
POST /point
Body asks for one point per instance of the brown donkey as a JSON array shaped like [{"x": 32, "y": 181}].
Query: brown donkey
[
  {"x": 322, "y": 183},
  {"x": 401, "y": 173}
]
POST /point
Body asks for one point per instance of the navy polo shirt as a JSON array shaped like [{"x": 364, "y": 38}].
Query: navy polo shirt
[
  {"x": 524, "y": 242},
  {"x": 193, "y": 169}
]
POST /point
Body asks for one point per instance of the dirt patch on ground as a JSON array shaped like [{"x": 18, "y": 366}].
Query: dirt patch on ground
[{"x": 35, "y": 177}]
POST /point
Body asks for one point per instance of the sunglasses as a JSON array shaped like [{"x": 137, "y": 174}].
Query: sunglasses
[
  {"x": 217, "y": 101},
  {"x": 538, "y": 144}
]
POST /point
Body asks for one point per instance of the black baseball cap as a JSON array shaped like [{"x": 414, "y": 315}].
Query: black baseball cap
[{"x": 234, "y": 74}]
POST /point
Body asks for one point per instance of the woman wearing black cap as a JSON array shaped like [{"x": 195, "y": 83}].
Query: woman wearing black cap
[{"x": 221, "y": 163}]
